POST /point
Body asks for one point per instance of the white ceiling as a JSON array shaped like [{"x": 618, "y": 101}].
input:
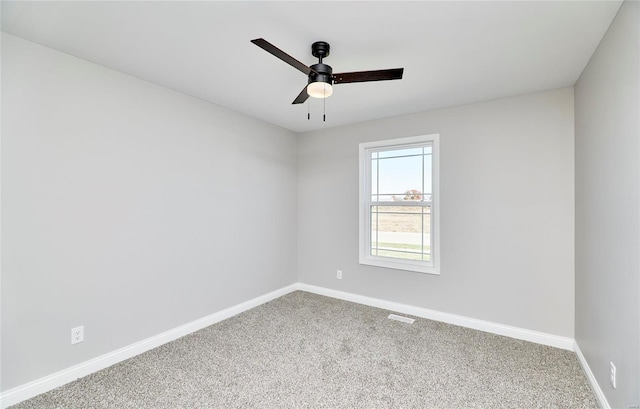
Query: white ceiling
[{"x": 453, "y": 53}]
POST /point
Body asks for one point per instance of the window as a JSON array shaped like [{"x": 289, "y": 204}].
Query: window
[{"x": 399, "y": 204}]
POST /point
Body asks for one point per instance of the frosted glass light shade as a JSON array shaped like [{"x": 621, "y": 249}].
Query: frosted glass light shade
[{"x": 319, "y": 89}]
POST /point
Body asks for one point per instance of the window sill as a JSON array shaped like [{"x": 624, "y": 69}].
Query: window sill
[{"x": 416, "y": 267}]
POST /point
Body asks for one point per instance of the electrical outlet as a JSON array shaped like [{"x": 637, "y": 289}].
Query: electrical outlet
[
  {"x": 77, "y": 334},
  {"x": 612, "y": 374},
  {"x": 339, "y": 275}
]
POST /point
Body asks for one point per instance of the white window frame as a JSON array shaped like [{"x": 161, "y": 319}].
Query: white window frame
[{"x": 430, "y": 267}]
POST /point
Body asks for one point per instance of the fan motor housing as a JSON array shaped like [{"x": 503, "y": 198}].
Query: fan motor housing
[{"x": 325, "y": 73}]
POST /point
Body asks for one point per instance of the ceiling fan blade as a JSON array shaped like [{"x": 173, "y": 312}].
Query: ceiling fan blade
[
  {"x": 364, "y": 76},
  {"x": 301, "y": 97},
  {"x": 272, "y": 49}
]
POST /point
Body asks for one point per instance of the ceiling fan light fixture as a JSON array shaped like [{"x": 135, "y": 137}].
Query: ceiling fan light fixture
[{"x": 319, "y": 89}]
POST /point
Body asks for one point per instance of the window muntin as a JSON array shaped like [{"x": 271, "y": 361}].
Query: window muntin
[{"x": 398, "y": 213}]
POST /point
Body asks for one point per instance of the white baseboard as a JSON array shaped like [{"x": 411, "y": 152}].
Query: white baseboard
[
  {"x": 47, "y": 383},
  {"x": 486, "y": 326},
  {"x": 602, "y": 400}
]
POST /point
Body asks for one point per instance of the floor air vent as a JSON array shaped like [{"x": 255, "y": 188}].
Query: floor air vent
[{"x": 401, "y": 318}]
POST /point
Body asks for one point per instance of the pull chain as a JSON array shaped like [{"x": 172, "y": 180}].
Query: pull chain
[
  {"x": 308, "y": 110},
  {"x": 324, "y": 103}
]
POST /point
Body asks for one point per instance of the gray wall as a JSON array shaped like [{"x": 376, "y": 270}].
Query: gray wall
[
  {"x": 607, "y": 104},
  {"x": 507, "y": 223},
  {"x": 129, "y": 209}
]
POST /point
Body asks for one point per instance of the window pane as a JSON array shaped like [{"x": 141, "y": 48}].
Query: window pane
[
  {"x": 374, "y": 179},
  {"x": 426, "y": 234},
  {"x": 400, "y": 209},
  {"x": 400, "y": 152},
  {"x": 428, "y": 187},
  {"x": 399, "y": 175},
  {"x": 401, "y": 232}
]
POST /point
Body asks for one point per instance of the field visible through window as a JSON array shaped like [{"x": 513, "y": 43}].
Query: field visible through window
[{"x": 401, "y": 232}]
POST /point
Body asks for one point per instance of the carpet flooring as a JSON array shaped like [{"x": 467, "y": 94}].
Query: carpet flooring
[{"x": 308, "y": 351}]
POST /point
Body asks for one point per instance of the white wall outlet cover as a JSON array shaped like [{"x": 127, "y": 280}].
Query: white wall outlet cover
[
  {"x": 612, "y": 374},
  {"x": 77, "y": 334},
  {"x": 339, "y": 274}
]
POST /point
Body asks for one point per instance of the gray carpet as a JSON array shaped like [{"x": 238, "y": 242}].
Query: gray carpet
[{"x": 305, "y": 350}]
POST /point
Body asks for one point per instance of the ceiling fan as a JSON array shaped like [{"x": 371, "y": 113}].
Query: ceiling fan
[{"x": 321, "y": 76}]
